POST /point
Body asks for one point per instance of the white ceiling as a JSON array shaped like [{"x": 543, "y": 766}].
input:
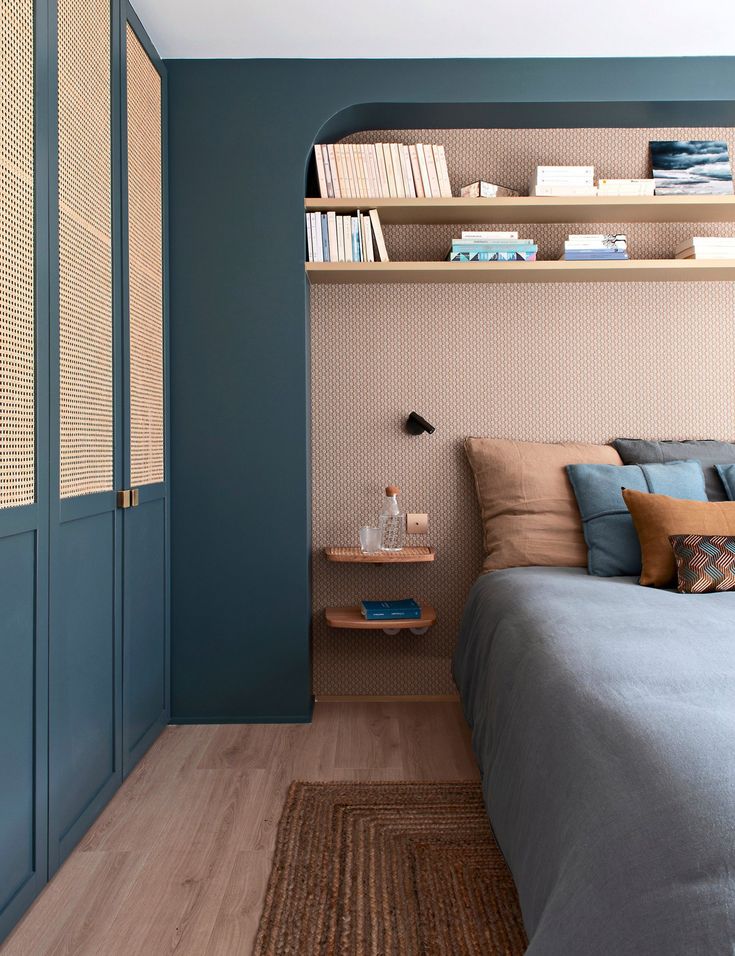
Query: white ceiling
[{"x": 438, "y": 28}]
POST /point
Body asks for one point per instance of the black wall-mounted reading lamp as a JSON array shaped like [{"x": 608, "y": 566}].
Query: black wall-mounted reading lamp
[{"x": 417, "y": 425}]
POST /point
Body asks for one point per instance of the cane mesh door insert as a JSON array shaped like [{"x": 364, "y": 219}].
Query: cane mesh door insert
[
  {"x": 85, "y": 248},
  {"x": 17, "y": 322},
  {"x": 145, "y": 240}
]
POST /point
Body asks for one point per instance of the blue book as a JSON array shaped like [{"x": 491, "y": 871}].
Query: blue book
[
  {"x": 582, "y": 255},
  {"x": 518, "y": 245},
  {"x": 391, "y": 610},
  {"x": 356, "y": 250}
]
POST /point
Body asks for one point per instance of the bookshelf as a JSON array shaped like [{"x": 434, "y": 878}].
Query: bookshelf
[
  {"x": 350, "y": 618},
  {"x": 633, "y": 270},
  {"x": 531, "y": 209},
  {"x": 537, "y": 209}
]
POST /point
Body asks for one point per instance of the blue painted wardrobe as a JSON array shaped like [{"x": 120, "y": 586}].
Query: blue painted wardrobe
[{"x": 84, "y": 464}]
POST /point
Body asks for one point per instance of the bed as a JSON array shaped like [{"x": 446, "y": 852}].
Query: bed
[{"x": 603, "y": 719}]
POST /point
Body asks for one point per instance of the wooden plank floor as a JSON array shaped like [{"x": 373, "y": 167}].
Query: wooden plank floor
[{"x": 179, "y": 860}]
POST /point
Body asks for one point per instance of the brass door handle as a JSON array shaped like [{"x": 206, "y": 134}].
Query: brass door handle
[{"x": 129, "y": 498}]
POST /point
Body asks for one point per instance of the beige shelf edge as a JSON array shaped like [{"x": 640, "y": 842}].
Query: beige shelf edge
[
  {"x": 539, "y": 209},
  {"x": 350, "y": 618},
  {"x": 634, "y": 270},
  {"x": 409, "y": 555}
]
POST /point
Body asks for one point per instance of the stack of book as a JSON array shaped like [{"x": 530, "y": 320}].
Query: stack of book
[
  {"x": 564, "y": 181},
  {"x": 333, "y": 238},
  {"x": 580, "y": 248},
  {"x": 381, "y": 170},
  {"x": 404, "y": 610},
  {"x": 492, "y": 247},
  {"x": 706, "y": 247},
  {"x": 483, "y": 190},
  {"x": 626, "y": 187}
]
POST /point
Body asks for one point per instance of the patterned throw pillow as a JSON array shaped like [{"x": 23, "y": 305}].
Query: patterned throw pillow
[{"x": 704, "y": 562}]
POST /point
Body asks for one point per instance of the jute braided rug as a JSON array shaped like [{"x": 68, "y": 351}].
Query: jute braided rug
[{"x": 388, "y": 869}]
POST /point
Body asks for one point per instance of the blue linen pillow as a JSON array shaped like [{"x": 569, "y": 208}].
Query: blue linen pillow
[
  {"x": 612, "y": 541},
  {"x": 727, "y": 477}
]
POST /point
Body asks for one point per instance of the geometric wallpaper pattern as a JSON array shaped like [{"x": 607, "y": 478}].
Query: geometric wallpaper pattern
[{"x": 546, "y": 362}]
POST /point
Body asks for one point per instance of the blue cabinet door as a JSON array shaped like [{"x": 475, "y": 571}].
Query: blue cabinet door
[
  {"x": 23, "y": 459},
  {"x": 85, "y": 602},
  {"x": 145, "y": 398}
]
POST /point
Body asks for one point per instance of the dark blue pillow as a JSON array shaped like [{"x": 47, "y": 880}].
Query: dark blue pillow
[
  {"x": 727, "y": 477},
  {"x": 612, "y": 542}
]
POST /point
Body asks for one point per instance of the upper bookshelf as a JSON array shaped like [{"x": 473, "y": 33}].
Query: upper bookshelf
[{"x": 536, "y": 209}]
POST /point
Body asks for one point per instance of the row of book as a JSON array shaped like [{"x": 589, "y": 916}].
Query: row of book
[
  {"x": 591, "y": 247},
  {"x": 381, "y": 170},
  {"x": 479, "y": 246},
  {"x": 408, "y": 609},
  {"x": 706, "y": 247},
  {"x": 333, "y": 238}
]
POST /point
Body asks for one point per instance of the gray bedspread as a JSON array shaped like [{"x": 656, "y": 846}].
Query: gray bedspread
[{"x": 603, "y": 718}]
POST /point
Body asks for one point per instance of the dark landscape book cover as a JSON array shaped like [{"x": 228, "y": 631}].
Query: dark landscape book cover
[{"x": 691, "y": 168}]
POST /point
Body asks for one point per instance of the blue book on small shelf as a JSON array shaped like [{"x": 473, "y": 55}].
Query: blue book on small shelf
[{"x": 390, "y": 610}]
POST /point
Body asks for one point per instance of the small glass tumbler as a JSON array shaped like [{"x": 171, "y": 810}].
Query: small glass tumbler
[{"x": 370, "y": 540}]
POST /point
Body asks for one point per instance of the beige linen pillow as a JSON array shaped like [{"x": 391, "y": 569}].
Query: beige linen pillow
[{"x": 527, "y": 505}]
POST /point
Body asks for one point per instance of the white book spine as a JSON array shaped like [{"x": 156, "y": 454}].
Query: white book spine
[
  {"x": 374, "y": 172},
  {"x": 407, "y": 173},
  {"x": 431, "y": 166},
  {"x": 395, "y": 155},
  {"x": 361, "y": 184},
  {"x": 378, "y": 234},
  {"x": 488, "y": 236},
  {"x": 367, "y": 226},
  {"x": 339, "y": 164},
  {"x": 351, "y": 170},
  {"x": 392, "y": 187},
  {"x": 347, "y": 224},
  {"x": 416, "y": 170},
  {"x": 332, "y": 230},
  {"x": 368, "y": 170},
  {"x": 318, "y": 243},
  {"x": 344, "y": 179},
  {"x": 545, "y": 190},
  {"x": 384, "y": 187},
  {"x": 424, "y": 170},
  {"x": 440, "y": 158},
  {"x": 328, "y": 172},
  {"x": 321, "y": 175},
  {"x": 340, "y": 239},
  {"x": 309, "y": 244},
  {"x": 565, "y": 171},
  {"x": 333, "y": 166}
]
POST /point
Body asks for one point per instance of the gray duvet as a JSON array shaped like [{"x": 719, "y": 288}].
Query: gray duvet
[{"x": 603, "y": 718}]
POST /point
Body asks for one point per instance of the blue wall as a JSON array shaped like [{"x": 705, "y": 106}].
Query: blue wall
[{"x": 240, "y": 139}]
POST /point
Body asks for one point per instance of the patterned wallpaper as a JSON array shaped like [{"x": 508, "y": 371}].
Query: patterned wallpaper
[{"x": 547, "y": 362}]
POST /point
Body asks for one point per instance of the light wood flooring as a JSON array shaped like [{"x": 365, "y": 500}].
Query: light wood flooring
[{"x": 178, "y": 862}]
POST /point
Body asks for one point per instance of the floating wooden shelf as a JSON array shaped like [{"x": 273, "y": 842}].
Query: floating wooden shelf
[
  {"x": 350, "y": 618},
  {"x": 539, "y": 209},
  {"x": 634, "y": 270},
  {"x": 411, "y": 555}
]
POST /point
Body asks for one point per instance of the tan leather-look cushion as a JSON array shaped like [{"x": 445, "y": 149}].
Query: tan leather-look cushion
[
  {"x": 528, "y": 509},
  {"x": 657, "y": 516}
]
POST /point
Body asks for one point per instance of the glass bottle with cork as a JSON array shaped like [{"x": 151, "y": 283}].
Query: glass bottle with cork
[{"x": 392, "y": 522}]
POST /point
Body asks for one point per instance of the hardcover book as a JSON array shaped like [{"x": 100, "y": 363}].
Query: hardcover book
[{"x": 390, "y": 610}]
